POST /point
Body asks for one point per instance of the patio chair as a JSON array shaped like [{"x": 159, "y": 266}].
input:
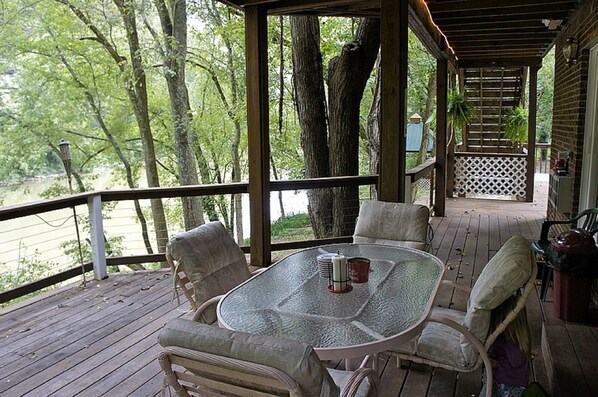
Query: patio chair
[
  {"x": 202, "y": 360},
  {"x": 459, "y": 341},
  {"x": 589, "y": 222},
  {"x": 206, "y": 263},
  {"x": 399, "y": 224}
]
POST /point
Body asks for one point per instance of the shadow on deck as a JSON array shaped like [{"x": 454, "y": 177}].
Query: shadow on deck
[{"x": 102, "y": 339}]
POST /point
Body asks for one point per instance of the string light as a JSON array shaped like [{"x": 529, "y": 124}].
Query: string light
[{"x": 425, "y": 5}]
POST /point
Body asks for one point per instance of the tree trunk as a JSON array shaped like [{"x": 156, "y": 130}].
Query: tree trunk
[
  {"x": 347, "y": 77},
  {"x": 135, "y": 85},
  {"x": 310, "y": 99},
  {"x": 116, "y": 146},
  {"x": 280, "y": 106},
  {"x": 373, "y": 130},
  {"x": 174, "y": 29},
  {"x": 137, "y": 91}
]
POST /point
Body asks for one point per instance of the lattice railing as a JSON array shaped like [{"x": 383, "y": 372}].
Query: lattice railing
[{"x": 490, "y": 174}]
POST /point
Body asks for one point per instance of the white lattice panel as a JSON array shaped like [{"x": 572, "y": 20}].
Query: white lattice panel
[{"x": 494, "y": 175}]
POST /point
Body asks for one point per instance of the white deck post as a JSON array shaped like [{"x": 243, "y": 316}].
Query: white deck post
[{"x": 98, "y": 245}]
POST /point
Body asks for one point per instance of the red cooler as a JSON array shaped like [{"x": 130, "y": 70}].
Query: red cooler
[
  {"x": 573, "y": 255},
  {"x": 571, "y": 297}
]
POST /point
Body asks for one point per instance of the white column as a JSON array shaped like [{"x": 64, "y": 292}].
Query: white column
[{"x": 98, "y": 245}]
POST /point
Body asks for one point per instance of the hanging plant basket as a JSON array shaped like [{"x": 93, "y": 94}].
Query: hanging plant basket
[
  {"x": 516, "y": 125},
  {"x": 459, "y": 110}
]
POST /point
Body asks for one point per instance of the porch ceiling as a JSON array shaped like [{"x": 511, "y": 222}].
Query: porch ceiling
[{"x": 481, "y": 32}]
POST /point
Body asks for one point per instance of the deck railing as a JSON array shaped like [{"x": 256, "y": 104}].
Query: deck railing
[
  {"x": 491, "y": 174},
  {"x": 543, "y": 158},
  {"x": 108, "y": 223}
]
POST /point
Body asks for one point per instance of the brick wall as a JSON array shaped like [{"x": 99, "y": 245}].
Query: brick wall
[{"x": 570, "y": 86}]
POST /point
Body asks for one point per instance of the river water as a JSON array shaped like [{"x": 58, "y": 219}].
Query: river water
[{"x": 39, "y": 237}]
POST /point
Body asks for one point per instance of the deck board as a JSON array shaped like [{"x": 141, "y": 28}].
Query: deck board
[{"x": 102, "y": 339}]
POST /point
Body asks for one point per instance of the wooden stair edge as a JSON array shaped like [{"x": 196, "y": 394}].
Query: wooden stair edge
[{"x": 564, "y": 373}]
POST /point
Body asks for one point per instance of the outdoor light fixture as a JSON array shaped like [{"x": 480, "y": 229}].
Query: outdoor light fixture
[
  {"x": 570, "y": 50},
  {"x": 552, "y": 24},
  {"x": 65, "y": 156}
]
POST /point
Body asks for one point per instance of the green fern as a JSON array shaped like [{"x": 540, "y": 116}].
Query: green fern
[
  {"x": 458, "y": 110},
  {"x": 516, "y": 125}
]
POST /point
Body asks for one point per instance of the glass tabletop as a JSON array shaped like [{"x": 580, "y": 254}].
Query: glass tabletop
[{"x": 291, "y": 300}]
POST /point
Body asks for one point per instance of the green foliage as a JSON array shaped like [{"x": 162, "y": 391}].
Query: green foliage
[
  {"x": 421, "y": 66},
  {"x": 290, "y": 227},
  {"x": 292, "y": 221},
  {"x": 56, "y": 67},
  {"x": 545, "y": 98},
  {"x": 516, "y": 125},
  {"x": 29, "y": 269},
  {"x": 458, "y": 109},
  {"x": 56, "y": 189},
  {"x": 114, "y": 247}
]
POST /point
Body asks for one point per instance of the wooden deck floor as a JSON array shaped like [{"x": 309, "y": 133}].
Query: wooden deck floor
[{"x": 102, "y": 339}]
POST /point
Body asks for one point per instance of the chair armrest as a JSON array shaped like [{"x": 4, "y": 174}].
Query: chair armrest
[
  {"x": 545, "y": 228},
  {"x": 258, "y": 271},
  {"x": 212, "y": 301},
  {"x": 547, "y": 224},
  {"x": 474, "y": 341},
  {"x": 540, "y": 246},
  {"x": 459, "y": 286},
  {"x": 355, "y": 380}
]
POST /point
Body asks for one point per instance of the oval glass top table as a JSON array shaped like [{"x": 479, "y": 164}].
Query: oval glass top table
[{"x": 290, "y": 300}]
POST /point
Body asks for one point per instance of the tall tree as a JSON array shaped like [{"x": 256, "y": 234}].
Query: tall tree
[
  {"x": 173, "y": 19},
  {"x": 347, "y": 77},
  {"x": 224, "y": 73},
  {"x": 97, "y": 114},
  {"x": 136, "y": 87},
  {"x": 310, "y": 99},
  {"x": 373, "y": 127},
  {"x": 337, "y": 154}
]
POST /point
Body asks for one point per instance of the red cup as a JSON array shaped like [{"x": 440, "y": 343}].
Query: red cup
[{"x": 359, "y": 269}]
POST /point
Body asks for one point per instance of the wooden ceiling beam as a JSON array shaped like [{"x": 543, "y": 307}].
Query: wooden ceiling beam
[
  {"x": 502, "y": 35},
  {"x": 497, "y": 42},
  {"x": 495, "y": 29},
  {"x": 518, "y": 26},
  {"x": 528, "y": 17},
  {"x": 470, "y": 5},
  {"x": 286, "y": 7},
  {"x": 421, "y": 23},
  {"x": 331, "y": 12},
  {"x": 499, "y": 62},
  {"x": 562, "y": 7},
  {"x": 507, "y": 51}
]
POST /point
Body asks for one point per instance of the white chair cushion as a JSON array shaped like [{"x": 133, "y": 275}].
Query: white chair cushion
[
  {"x": 441, "y": 343},
  {"x": 507, "y": 271},
  {"x": 298, "y": 360},
  {"x": 212, "y": 260},
  {"x": 388, "y": 223}
]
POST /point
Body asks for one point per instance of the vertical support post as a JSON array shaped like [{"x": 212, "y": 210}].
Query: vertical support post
[
  {"x": 450, "y": 164},
  {"x": 393, "y": 99},
  {"x": 408, "y": 198},
  {"x": 441, "y": 139},
  {"x": 98, "y": 245},
  {"x": 531, "y": 134},
  {"x": 256, "y": 58}
]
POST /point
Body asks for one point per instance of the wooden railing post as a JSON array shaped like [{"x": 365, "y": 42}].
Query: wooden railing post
[
  {"x": 393, "y": 99},
  {"x": 98, "y": 245},
  {"x": 441, "y": 136},
  {"x": 258, "y": 144},
  {"x": 531, "y": 133}
]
